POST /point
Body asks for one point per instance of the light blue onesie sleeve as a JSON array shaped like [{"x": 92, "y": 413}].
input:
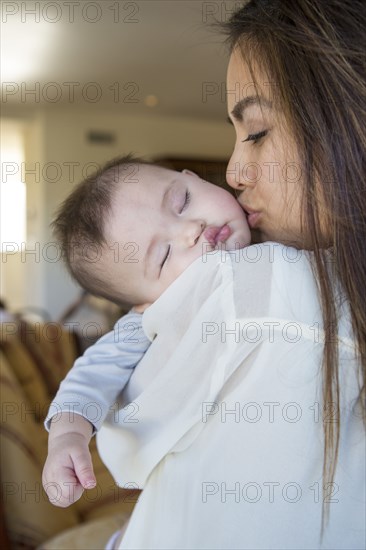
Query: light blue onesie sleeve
[{"x": 95, "y": 380}]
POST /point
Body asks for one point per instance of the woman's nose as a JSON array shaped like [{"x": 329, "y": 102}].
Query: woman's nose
[
  {"x": 234, "y": 174},
  {"x": 239, "y": 174}
]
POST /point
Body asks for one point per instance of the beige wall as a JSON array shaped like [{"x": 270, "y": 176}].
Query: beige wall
[{"x": 55, "y": 139}]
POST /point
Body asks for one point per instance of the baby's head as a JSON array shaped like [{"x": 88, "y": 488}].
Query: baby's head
[{"x": 129, "y": 230}]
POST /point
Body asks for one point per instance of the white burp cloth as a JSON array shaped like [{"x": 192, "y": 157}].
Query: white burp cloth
[{"x": 206, "y": 324}]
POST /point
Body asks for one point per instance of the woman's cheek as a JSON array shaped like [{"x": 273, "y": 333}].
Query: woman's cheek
[{"x": 252, "y": 172}]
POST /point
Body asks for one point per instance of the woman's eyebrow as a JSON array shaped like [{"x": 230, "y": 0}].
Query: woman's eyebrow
[{"x": 249, "y": 101}]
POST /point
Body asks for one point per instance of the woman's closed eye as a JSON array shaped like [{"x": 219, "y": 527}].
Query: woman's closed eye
[
  {"x": 187, "y": 200},
  {"x": 255, "y": 138}
]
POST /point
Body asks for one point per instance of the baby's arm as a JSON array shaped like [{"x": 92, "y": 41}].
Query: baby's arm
[{"x": 82, "y": 404}]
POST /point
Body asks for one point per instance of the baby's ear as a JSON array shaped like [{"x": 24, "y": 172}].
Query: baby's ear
[{"x": 189, "y": 172}]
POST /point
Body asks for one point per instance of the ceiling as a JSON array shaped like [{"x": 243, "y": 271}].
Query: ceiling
[{"x": 115, "y": 54}]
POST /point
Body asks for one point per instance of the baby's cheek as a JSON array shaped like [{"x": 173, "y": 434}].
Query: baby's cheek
[
  {"x": 188, "y": 258},
  {"x": 232, "y": 207},
  {"x": 225, "y": 200}
]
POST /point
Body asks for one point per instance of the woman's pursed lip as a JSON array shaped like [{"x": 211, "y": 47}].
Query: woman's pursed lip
[
  {"x": 248, "y": 210},
  {"x": 252, "y": 216},
  {"x": 253, "y": 219}
]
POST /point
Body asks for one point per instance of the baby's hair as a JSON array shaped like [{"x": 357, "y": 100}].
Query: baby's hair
[{"x": 79, "y": 226}]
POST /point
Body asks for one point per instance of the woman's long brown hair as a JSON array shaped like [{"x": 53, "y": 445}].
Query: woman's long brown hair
[{"x": 314, "y": 51}]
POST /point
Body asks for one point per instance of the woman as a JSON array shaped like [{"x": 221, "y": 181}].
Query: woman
[
  {"x": 296, "y": 97},
  {"x": 299, "y": 159}
]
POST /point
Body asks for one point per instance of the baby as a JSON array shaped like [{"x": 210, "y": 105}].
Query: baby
[{"x": 126, "y": 233}]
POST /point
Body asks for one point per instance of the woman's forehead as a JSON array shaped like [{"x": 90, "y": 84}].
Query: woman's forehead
[
  {"x": 248, "y": 86},
  {"x": 240, "y": 73}
]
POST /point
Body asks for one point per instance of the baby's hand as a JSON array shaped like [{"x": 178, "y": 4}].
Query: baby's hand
[{"x": 68, "y": 469}]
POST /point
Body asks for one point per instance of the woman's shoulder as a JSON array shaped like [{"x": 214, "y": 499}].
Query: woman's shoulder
[{"x": 294, "y": 288}]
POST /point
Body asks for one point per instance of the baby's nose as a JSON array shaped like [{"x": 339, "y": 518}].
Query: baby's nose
[{"x": 192, "y": 231}]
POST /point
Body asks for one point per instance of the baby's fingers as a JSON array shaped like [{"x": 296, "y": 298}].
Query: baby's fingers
[
  {"x": 84, "y": 470},
  {"x": 65, "y": 491}
]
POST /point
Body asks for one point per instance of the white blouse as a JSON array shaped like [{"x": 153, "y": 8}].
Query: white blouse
[{"x": 225, "y": 429}]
